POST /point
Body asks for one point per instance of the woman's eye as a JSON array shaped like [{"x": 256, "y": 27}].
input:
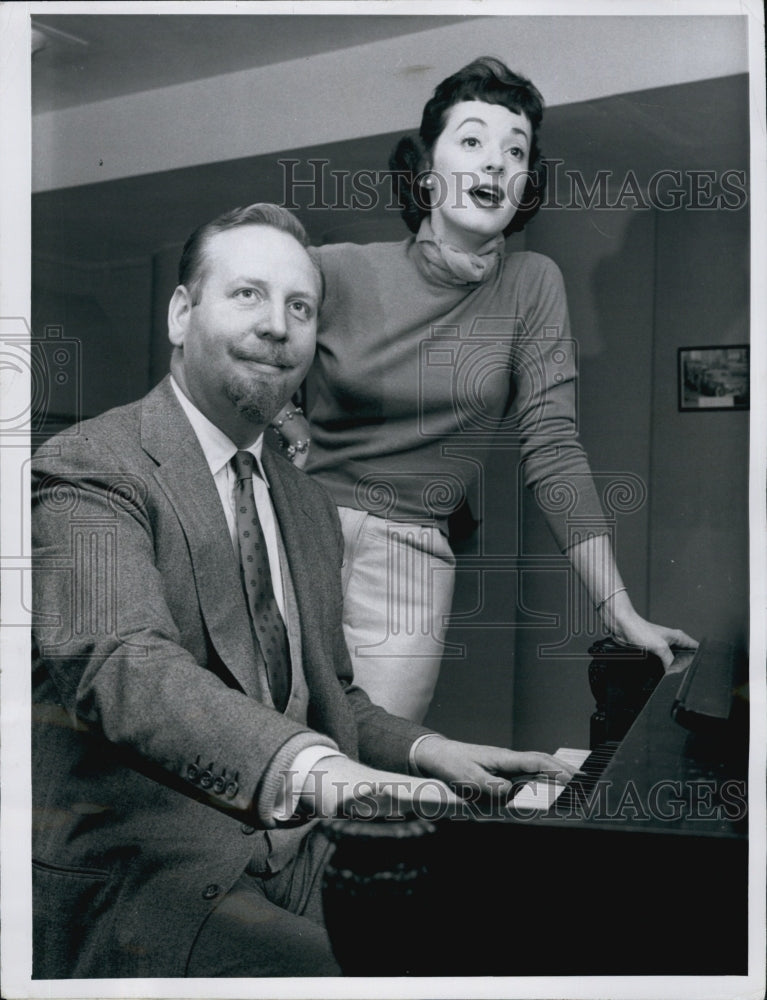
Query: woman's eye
[
  {"x": 517, "y": 152},
  {"x": 470, "y": 141}
]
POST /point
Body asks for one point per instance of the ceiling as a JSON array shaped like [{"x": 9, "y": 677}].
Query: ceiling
[
  {"x": 702, "y": 125},
  {"x": 85, "y": 57},
  {"x": 128, "y": 94}
]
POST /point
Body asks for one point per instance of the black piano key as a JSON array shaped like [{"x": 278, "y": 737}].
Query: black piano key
[{"x": 578, "y": 790}]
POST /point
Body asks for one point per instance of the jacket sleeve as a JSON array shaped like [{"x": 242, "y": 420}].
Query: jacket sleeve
[{"x": 107, "y": 642}]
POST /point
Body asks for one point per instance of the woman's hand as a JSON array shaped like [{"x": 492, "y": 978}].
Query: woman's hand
[
  {"x": 626, "y": 626},
  {"x": 292, "y": 428},
  {"x": 595, "y": 564}
]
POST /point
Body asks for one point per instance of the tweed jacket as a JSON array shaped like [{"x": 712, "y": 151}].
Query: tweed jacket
[{"x": 149, "y": 741}]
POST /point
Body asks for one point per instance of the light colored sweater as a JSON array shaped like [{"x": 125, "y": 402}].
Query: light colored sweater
[{"x": 418, "y": 367}]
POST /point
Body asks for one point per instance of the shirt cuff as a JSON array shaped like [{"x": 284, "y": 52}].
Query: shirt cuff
[
  {"x": 414, "y": 769},
  {"x": 277, "y": 774},
  {"x": 286, "y": 803}
]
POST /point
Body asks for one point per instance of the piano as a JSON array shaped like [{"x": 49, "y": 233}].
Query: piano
[{"x": 639, "y": 867}]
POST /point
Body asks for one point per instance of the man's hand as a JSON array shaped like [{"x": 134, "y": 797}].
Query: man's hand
[
  {"x": 475, "y": 770},
  {"x": 341, "y": 787}
]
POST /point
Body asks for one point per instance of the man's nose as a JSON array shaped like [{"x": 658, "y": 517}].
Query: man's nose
[{"x": 272, "y": 320}]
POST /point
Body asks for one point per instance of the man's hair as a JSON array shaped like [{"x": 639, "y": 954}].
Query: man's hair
[
  {"x": 485, "y": 79},
  {"x": 191, "y": 266}
]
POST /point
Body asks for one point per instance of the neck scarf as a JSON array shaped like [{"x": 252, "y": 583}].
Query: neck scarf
[{"x": 448, "y": 264}]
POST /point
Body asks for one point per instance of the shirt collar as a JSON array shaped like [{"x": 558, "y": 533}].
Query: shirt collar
[{"x": 218, "y": 449}]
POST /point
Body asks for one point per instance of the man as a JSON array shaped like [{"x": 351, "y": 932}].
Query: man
[{"x": 189, "y": 716}]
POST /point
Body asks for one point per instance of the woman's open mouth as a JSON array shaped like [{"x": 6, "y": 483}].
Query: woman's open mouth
[{"x": 487, "y": 196}]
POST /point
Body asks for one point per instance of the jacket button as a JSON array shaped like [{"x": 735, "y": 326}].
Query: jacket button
[
  {"x": 192, "y": 772},
  {"x": 247, "y": 830},
  {"x": 218, "y": 785},
  {"x": 231, "y": 789},
  {"x": 210, "y": 891},
  {"x": 206, "y": 779}
]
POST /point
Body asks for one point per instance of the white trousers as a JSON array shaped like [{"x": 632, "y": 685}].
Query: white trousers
[{"x": 398, "y": 583}]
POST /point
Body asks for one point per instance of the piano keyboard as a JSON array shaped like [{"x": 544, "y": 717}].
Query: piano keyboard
[{"x": 541, "y": 795}]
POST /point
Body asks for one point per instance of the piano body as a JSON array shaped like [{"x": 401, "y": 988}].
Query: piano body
[{"x": 641, "y": 868}]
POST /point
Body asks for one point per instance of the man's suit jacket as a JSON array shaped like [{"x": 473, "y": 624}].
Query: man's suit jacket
[{"x": 149, "y": 742}]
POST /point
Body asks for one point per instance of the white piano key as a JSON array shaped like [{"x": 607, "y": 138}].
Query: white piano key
[{"x": 542, "y": 794}]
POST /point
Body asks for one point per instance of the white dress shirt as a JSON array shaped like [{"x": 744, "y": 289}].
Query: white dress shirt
[{"x": 219, "y": 452}]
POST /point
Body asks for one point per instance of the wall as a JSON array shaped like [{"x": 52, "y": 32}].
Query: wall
[
  {"x": 699, "y": 503},
  {"x": 102, "y": 312}
]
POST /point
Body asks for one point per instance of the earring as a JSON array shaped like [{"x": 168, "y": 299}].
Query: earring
[{"x": 428, "y": 181}]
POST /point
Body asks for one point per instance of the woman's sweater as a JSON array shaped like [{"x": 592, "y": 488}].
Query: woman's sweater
[{"x": 425, "y": 355}]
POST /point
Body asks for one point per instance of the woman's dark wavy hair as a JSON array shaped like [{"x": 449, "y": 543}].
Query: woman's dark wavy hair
[{"x": 485, "y": 79}]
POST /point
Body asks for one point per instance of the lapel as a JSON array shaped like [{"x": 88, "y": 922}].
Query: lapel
[
  {"x": 185, "y": 479},
  {"x": 297, "y": 527},
  {"x": 307, "y": 561},
  {"x": 302, "y": 526}
]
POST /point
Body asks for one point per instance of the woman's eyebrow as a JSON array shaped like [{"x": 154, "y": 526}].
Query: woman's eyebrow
[
  {"x": 515, "y": 130},
  {"x": 479, "y": 121}
]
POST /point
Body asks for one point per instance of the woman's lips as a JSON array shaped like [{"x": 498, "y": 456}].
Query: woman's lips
[{"x": 487, "y": 196}]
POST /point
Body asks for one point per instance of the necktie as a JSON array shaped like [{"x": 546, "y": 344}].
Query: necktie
[{"x": 268, "y": 626}]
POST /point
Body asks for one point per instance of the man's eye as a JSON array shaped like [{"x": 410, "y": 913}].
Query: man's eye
[
  {"x": 248, "y": 294},
  {"x": 303, "y": 308}
]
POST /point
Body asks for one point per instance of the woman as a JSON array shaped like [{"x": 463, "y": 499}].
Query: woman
[{"x": 424, "y": 340}]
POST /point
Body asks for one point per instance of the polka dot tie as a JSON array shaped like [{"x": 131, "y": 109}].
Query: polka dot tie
[{"x": 268, "y": 626}]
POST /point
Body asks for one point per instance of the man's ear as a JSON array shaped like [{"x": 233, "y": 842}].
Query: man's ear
[{"x": 179, "y": 310}]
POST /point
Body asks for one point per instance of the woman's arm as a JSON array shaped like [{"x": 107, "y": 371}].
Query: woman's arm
[{"x": 557, "y": 469}]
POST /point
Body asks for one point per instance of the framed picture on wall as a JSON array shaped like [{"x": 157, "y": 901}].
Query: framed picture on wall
[{"x": 713, "y": 378}]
